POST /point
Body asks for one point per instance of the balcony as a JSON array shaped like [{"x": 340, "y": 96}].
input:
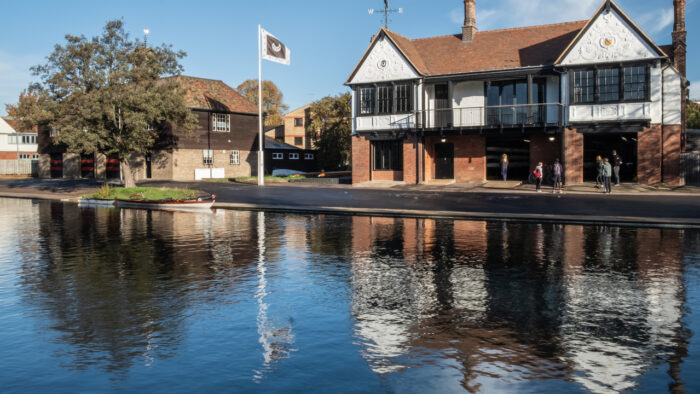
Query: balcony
[{"x": 502, "y": 116}]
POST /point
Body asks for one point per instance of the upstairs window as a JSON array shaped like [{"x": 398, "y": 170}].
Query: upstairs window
[
  {"x": 609, "y": 84},
  {"x": 385, "y": 99},
  {"x": 29, "y": 139},
  {"x": 235, "y": 158},
  {"x": 404, "y": 102},
  {"x": 221, "y": 122},
  {"x": 367, "y": 101},
  {"x": 298, "y": 122},
  {"x": 636, "y": 82},
  {"x": 584, "y": 87},
  {"x": 298, "y": 140}
]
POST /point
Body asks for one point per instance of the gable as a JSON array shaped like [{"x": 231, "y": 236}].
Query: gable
[
  {"x": 610, "y": 37},
  {"x": 383, "y": 63}
]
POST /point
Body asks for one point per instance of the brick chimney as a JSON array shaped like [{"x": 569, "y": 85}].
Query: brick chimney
[
  {"x": 469, "y": 29},
  {"x": 679, "y": 36}
]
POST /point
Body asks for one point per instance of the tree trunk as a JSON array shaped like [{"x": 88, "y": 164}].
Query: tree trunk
[{"x": 127, "y": 173}]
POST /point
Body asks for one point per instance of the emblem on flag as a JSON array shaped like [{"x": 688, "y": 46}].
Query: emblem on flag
[{"x": 273, "y": 49}]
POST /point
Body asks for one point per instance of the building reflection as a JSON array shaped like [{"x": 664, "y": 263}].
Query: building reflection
[
  {"x": 519, "y": 301},
  {"x": 117, "y": 284}
]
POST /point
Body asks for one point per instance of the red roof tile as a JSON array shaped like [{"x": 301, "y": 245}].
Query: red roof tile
[{"x": 214, "y": 95}]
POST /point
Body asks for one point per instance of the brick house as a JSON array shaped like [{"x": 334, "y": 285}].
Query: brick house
[
  {"x": 223, "y": 144},
  {"x": 293, "y": 131},
  {"x": 446, "y": 108},
  {"x": 17, "y": 144}
]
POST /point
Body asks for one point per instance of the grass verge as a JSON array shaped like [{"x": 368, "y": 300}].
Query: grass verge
[{"x": 107, "y": 192}]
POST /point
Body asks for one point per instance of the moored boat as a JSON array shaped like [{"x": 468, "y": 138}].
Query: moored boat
[{"x": 198, "y": 203}]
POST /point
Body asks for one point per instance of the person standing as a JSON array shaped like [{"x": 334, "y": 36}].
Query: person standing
[
  {"x": 538, "y": 177},
  {"x": 504, "y": 166},
  {"x": 607, "y": 175},
  {"x": 617, "y": 163},
  {"x": 599, "y": 169},
  {"x": 557, "y": 172}
]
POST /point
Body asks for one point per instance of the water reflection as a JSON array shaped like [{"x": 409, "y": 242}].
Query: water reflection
[{"x": 458, "y": 305}]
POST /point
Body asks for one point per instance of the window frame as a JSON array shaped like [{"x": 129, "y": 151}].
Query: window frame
[
  {"x": 308, "y": 156},
  {"x": 234, "y": 157},
  {"x": 621, "y": 77},
  {"x": 368, "y": 103},
  {"x": 294, "y": 156},
  {"x": 389, "y": 101},
  {"x": 298, "y": 122},
  {"x": 400, "y": 101},
  {"x": 393, "y": 162},
  {"x": 208, "y": 157},
  {"x": 301, "y": 142},
  {"x": 216, "y": 122},
  {"x": 277, "y": 156}
]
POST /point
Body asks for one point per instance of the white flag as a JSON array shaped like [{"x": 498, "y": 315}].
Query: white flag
[{"x": 273, "y": 49}]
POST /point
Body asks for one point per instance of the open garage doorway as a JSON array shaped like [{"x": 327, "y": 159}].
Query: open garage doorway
[
  {"x": 603, "y": 144},
  {"x": 518, "y": 151}
]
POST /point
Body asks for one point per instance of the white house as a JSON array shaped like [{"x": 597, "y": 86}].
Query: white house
[
  {"x": 447, "y": 108},
  {"x": 15, "y": 145}
]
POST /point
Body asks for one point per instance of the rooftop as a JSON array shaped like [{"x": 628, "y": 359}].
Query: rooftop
[{"x": 214, "y": 95}]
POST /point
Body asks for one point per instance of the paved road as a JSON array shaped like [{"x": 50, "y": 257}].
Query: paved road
[
  {"x": 517, "y": 202},
  {"x": 638, "y": 208}
]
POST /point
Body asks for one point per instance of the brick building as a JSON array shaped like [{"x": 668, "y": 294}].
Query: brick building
[
  {"x": 446, "y": 108},
  {"x": 223, "y": 144},
  {"x": 293, "y": 132},
  {"x": 16, "y": 143}
]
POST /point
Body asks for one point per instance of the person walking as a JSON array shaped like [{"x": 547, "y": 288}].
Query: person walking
[
  {"x": 599, "y": 169},
  {"x": 557, "y": 172},
  {"x": 504, "y": 166},
  {"x": 538, "y": 177},
  {"x": 607, "y": 175},
  {"x": 617, "y": 163}
]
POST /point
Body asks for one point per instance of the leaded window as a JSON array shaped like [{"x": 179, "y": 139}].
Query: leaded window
[
  {"x": 636, "y": 83},
  {"x": 367, "y": 100},
  {"x": 403, "y": 98},
  {"x": 221, "y": 122},
  {"x": 584, "y": 87},
  {"x": 388, "y": 155},
  {"x": 385, "y": 99},
  {"x": 609, "y": 84},
  {"x": 235, "y": 158},
  {"x": 207, "y": 157}
]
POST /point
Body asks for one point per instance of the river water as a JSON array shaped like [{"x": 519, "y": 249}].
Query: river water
[{"x": 97, "y": 299}]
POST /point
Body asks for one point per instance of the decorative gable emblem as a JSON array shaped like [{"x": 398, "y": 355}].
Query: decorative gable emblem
[
  {"x": 382, "y": 64},
  {"x": 607, "y": 42}
]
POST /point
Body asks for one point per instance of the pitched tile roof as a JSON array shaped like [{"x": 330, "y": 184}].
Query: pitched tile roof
[
  {"x": 489, "y": 50},
  {"x": 214, "y": 95}
]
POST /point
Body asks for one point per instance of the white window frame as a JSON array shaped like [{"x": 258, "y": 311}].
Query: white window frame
[
  {"x": 221, "y": 123},
  {"x": 308, "y": 156},
  {"x": 12, "y": 139},
  {"x": 207, "y": 157},
  {"x": 293, "y": 156},
  {"x": 54, "y": 132},
  {"x": 25, "y": 156},
  {"x": 235, "y": 157},
  {"x": 28, "y": 139},
  {"x": 277, "y": 156}
]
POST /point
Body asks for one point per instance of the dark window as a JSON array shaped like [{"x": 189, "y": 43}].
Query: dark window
[
  {"x": 584, "y": 87},
  {"x": 298, "y": 122},
  {"x": 636, "y": 85},
  {"x": 384, "y": 99},
  {"x": 298, "y": 140},
  {"x": 403, "y": 98},
  {"x": 609, "y": 84},
  {"x": 388, "y": 155},
  {"x": 367, "y": 101}
]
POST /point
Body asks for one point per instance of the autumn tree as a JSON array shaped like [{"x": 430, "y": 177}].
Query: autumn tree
[
  {"x": 692, "y": 120},
  {"x": 272, "y": 100},
  {"x": 330, "y": 129},
  {"x": 105, "y": 93}
]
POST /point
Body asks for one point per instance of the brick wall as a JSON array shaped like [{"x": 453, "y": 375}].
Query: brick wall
[
  {"x": 543, "y": 150},
  {"x": 360, "y": 159},
  {"x": 387, "y": 175},
  {"x": 71, "y": 165},
  {"x": 185, "y": 161},
  {"x": 649, "y": 156},
  {"x": 470, "y": 158},
  {"x": 672, "y": 155},
  {"x": 410, "y": 169},
  {"x": 572, "y": 160}
]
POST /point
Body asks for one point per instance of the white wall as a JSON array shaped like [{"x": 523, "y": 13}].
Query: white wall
[
  {"x": 672, "y": 97},
  {"x": 384, "y": 63},
  {"x": 6, "y": 146},
  {"x": 468, "y": 101}
]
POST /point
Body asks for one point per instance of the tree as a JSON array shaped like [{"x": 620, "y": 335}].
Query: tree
[
  {"x": 105, "y": 94},
  {"x": 330, "y": 129},
  {"x": 272, "y": 100},
  {"x": 692, "y": 120}
]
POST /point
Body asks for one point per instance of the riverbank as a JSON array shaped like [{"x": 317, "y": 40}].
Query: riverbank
[{"x": 640, "y": 209}]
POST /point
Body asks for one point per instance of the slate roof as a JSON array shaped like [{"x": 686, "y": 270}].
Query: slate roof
[
  {"x": 271, "y": 143},
  {"x": 214, "y": 95}
]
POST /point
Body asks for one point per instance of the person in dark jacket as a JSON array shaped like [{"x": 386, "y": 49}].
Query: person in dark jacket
[
  {"x": 557, "y": 170},
  {"x": 617, "y": 163}
]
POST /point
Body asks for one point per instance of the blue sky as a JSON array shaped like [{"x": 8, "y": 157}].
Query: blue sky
[{"x": 327, "y": 38}]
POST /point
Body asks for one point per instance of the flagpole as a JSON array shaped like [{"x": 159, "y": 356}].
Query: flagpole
[{"x": 261, "y": 139}]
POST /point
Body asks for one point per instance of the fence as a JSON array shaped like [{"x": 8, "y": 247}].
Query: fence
[
  {"x": 19, "y": 167},
  {"x": 690, "y": 168}
]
